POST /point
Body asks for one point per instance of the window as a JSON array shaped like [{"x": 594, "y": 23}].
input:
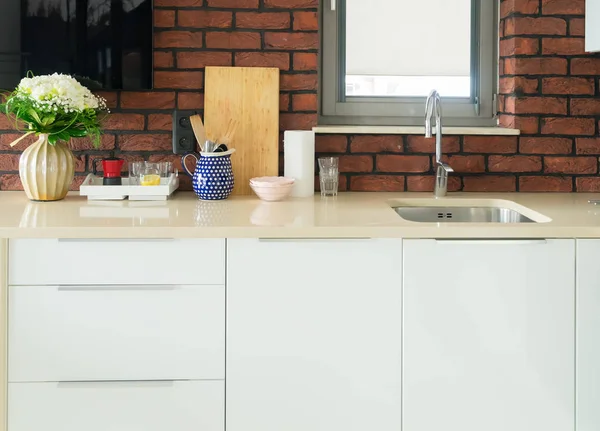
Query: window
[{"x": 381, "y": 58}]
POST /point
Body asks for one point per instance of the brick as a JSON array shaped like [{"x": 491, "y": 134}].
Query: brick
[
  {"x": 204, "y": 19},
  {"x": 425, "y": 183},
  {"x": 545, "y": 145},
  {"x": 304, "y": 102},
  {"x": 124, "y": 122},
  {"x": 306, "y": 21},
  {"x": 8, "y": 138},
  {"x": 178, "y": 39},
  {"x": 518, "y": 85},
  {"x": 292, "y": 41},
  {"x": 160, "y": 122},
  {"x": 490, "y": 144},
  {"x": 585, "y": 66},
  {"x": 299, "y": 82},
  {"x": 356, "y": 164},
  {"x": 568, "y": 126},
  {"x": 519, "y": 46},
  {"x": 585, "y": 106},
  {"x": 284, "y": 102},
  {"x": 393, "y": 163},
  {"x": 179, "y": 80},
  {"x": 525, "y": 7},
  {"x": 377, "y": 183},
  {"x": 263, "y": 20},
  {"x": 154, "y": 142},
  {"x": 588, "y": 184},
  {"x": 563, "y": 7},
  {"x": 587, "y": 146},
  {"x": 147, "y": 100},
  {"x": 191, "y": 100},
  {"x": 534, "y": 26},
  {"x": 460, "y": 163},
  {"x": 178, "y": 3},
  {"x": 305, "y": 61},
  {"x": 9, "y": 162},
  {"x": 297, "y": 121},
  {"x": 536, "y": 105},
  {"x": 163, "y": 59},
  {"x": 514, "y": 164},
  {"x": 490, "y": 183},
  {"x": 535, "y": 66},
  {"x": 107, "y": 142},
  {"x": 234, "y": 4},
  {"x": 164, "y": 18},
  {"x": 545, "y": 184},
  {"x": 421, "y": 144},
  {"x": 563, "y": 46},
  {"x": 577, "y": 27},
  {"x": 527, "y": 125},
  {"x": 571, "y": 165},
  {"x": 201, "y": 59},
  {"x": 376, "y": 144},
  {"x": 331, "y": 143},
  {"x": 10, "y": 182},
  {"x": 569, "y": 86},
  {"x": 237, "y": 40},
  {"x": 280, "y": 60},
  {"x": 292, "y": 4}
]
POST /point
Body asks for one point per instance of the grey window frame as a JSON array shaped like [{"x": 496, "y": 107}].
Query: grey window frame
[{"x": 335, "y": 108}]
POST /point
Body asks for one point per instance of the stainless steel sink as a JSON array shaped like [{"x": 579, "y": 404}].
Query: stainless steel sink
[{"x": 445, "y": 214}]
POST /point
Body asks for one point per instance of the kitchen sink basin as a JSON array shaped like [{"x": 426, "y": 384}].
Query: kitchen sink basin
[{"x": 456, "y": 214}]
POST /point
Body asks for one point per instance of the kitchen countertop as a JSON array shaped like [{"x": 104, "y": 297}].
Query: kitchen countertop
[{"x": 350, "y": 215}]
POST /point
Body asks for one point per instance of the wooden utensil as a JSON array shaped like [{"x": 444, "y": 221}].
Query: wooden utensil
[
  {"x": 241, "y": 108},
  {"x": 198, "y": 128}
]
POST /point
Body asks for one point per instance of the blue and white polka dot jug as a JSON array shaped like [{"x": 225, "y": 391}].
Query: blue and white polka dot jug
[{"x": 213, "y": 177}]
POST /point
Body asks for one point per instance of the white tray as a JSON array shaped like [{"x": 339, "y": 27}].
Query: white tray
[{"x": 93, "y": 188}]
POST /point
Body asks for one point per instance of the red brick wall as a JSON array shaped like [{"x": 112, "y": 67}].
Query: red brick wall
[{"x": 549, "y": 89}]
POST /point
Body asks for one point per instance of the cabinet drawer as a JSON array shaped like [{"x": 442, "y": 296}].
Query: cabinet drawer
[
  {"x": 116, "y": 406},
  {"x": 116, "y": 261},
  {"x": 116, "y": 333}
]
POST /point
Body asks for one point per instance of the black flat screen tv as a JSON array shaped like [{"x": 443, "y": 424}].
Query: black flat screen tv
[{"x": 106, "y": 44}]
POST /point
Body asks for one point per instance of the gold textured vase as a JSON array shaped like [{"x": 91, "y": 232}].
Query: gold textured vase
[{"x": 46, "y": 170}]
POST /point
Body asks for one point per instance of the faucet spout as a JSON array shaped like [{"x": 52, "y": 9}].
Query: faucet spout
[{"x": 433, "y": 105}]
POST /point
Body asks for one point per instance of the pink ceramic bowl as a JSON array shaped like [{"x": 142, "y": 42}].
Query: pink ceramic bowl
[
  {"x": 271, "y": 192},
  {"x": 271, "y": 181}
]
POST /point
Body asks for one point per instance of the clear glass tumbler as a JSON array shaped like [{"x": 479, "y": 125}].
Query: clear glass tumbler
[
  {"x": 150, "y": 175},
  {"x": 135, "y": 170},
  {"x": 166, "y": 169},
  {"x": 329, "y": 175}
]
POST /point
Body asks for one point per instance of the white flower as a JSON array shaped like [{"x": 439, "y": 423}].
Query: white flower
[{"x": 59, "y": 92}]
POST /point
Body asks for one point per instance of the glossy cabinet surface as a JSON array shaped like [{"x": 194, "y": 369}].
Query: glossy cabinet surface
[
  {"x": 489, "y": 335},
  {"x": 314, "y": 335}
]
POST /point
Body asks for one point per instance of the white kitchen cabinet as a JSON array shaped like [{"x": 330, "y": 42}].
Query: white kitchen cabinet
[
  {"x": 314, "y": 335},
  {"x": 489, "y": 335},
  {"x": 82, "y": 333},
  {"x": 592, "y": 29},
  {"x": 588, "y": 335},
  {"x": 117, "y": 406}
]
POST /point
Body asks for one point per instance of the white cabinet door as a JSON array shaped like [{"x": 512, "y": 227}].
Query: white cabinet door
[
  {"x": 314, "y": 335},
  {"x": 592, "y": 29},
  {"x": 117, "y": 406},
  {"x": 489, "y": 335},
  {"x": 74, "y": 333},
  {"x": 588, "y": 335}
]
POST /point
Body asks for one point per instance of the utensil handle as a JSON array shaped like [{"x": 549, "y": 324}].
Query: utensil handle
[{"x": 186, "y": 170}]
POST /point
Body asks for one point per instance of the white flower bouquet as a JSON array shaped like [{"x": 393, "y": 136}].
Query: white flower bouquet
[{"x": 56, "y": 105}]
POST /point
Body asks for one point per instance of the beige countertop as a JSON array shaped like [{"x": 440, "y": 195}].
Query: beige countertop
[{"x": 350, "y": 215}]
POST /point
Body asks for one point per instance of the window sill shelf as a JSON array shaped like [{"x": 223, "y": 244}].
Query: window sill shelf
[{"x": 412, "y": 130}]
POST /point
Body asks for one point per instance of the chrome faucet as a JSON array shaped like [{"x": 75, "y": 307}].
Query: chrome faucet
[{"x": 434, "y": 104}]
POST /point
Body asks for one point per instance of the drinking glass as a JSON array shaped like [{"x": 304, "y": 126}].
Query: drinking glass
[
  {"x": 135, "y": 169},
  {"x": 166, "y": 169},
  {"x": 329, "y": 175},
  {"x": 150, "y": 175}
]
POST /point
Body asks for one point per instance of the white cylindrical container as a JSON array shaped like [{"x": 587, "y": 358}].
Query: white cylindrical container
[{"x": 299, "y": 157}]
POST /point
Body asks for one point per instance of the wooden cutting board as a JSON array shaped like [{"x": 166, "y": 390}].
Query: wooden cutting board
[{"x": 250, "y": 95}]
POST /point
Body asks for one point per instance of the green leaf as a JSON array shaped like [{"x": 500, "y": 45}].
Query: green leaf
[
  {"x": 34, "y": 115},
  {"x": 77, "y": 133},
  {"x": 52, "y": 139},
  {"x": 48, "y": 119}
]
